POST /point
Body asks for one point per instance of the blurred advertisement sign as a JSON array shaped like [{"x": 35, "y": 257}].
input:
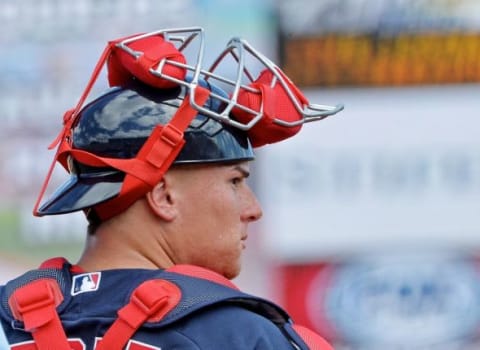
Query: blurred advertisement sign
[
  {"x": 373, "y": 217},
  {"x": 402, "y": 301},
  {"x": 380, "y": 42},
  {"x": 400, "y": 167}
]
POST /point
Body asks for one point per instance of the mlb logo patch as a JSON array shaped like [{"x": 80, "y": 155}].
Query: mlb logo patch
[{"x": 86, "y": 282}]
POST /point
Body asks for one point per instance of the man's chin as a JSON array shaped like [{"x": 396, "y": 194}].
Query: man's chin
[{"x": 232, "y": 273}]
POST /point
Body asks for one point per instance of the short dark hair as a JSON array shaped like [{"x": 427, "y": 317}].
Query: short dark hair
[{"x": 94, "y": 221}]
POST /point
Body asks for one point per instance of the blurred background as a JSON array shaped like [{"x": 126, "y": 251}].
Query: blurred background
[{"x": 371, "y": 228}]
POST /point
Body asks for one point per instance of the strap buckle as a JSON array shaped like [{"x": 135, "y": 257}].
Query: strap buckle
[
  {"x": 36, "y": 305},
  {"x": 171, "y": 135},
  {"x": 26, "y": 302},
  {"x": 39, "y": 296}
]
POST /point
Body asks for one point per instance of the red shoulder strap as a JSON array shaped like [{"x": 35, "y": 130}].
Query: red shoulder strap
[
  {"x": 150, "y": 301},
  {"x": 36, "y": 305}
]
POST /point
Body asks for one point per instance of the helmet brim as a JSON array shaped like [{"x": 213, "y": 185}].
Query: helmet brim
[{"x": 80, "y": 192}]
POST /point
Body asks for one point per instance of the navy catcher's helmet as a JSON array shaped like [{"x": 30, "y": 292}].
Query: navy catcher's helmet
[{"x": 162, "y": 111}]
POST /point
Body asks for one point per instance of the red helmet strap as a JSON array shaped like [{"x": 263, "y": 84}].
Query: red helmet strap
[
  {"x": 151, "y": 163},
  {"x": 154, "y": 158}
]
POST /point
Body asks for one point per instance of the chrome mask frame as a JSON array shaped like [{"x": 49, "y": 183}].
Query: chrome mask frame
[{"x": 241, "y": 51}]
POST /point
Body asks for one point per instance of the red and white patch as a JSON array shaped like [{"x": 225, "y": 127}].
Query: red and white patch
[{"x": 86, "y": 282}]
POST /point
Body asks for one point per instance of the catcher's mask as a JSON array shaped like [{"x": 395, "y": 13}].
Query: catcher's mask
[{"x": 162, "y": 110}]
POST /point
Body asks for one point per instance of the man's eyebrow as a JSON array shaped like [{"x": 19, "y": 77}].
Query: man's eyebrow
[{"x": 244, "y": 171}]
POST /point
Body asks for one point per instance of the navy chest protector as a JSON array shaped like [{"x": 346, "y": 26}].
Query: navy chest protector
[{"x": 34, "y": 303}]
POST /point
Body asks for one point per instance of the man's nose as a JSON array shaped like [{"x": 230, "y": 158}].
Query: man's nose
[{"x": 253, "y": 211}]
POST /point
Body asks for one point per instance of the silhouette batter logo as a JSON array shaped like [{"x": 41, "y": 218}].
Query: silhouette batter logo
[{"x": 87, "y": 282}]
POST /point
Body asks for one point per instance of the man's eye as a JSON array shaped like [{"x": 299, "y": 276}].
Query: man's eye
[{"x": 237, "y": 180}]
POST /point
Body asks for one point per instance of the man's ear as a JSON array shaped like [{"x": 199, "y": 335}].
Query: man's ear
[{"x": 160, "y": 201}]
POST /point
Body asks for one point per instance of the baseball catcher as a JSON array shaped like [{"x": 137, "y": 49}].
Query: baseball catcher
[{"x": 158, "y": 164}]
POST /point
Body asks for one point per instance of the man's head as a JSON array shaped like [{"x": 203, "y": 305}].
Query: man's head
[
  {"x": 164, "y": 111},
  {"x": 117, "y": 125}
]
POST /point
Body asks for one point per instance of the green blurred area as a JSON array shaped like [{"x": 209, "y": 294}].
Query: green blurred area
[{"x": 15, "y": 248}]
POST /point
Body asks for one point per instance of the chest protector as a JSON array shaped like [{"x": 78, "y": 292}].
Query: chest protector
[{"x": 34, "y": 304}]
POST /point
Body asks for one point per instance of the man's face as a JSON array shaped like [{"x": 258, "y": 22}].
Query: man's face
[{"x": 215, "y": 206}]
